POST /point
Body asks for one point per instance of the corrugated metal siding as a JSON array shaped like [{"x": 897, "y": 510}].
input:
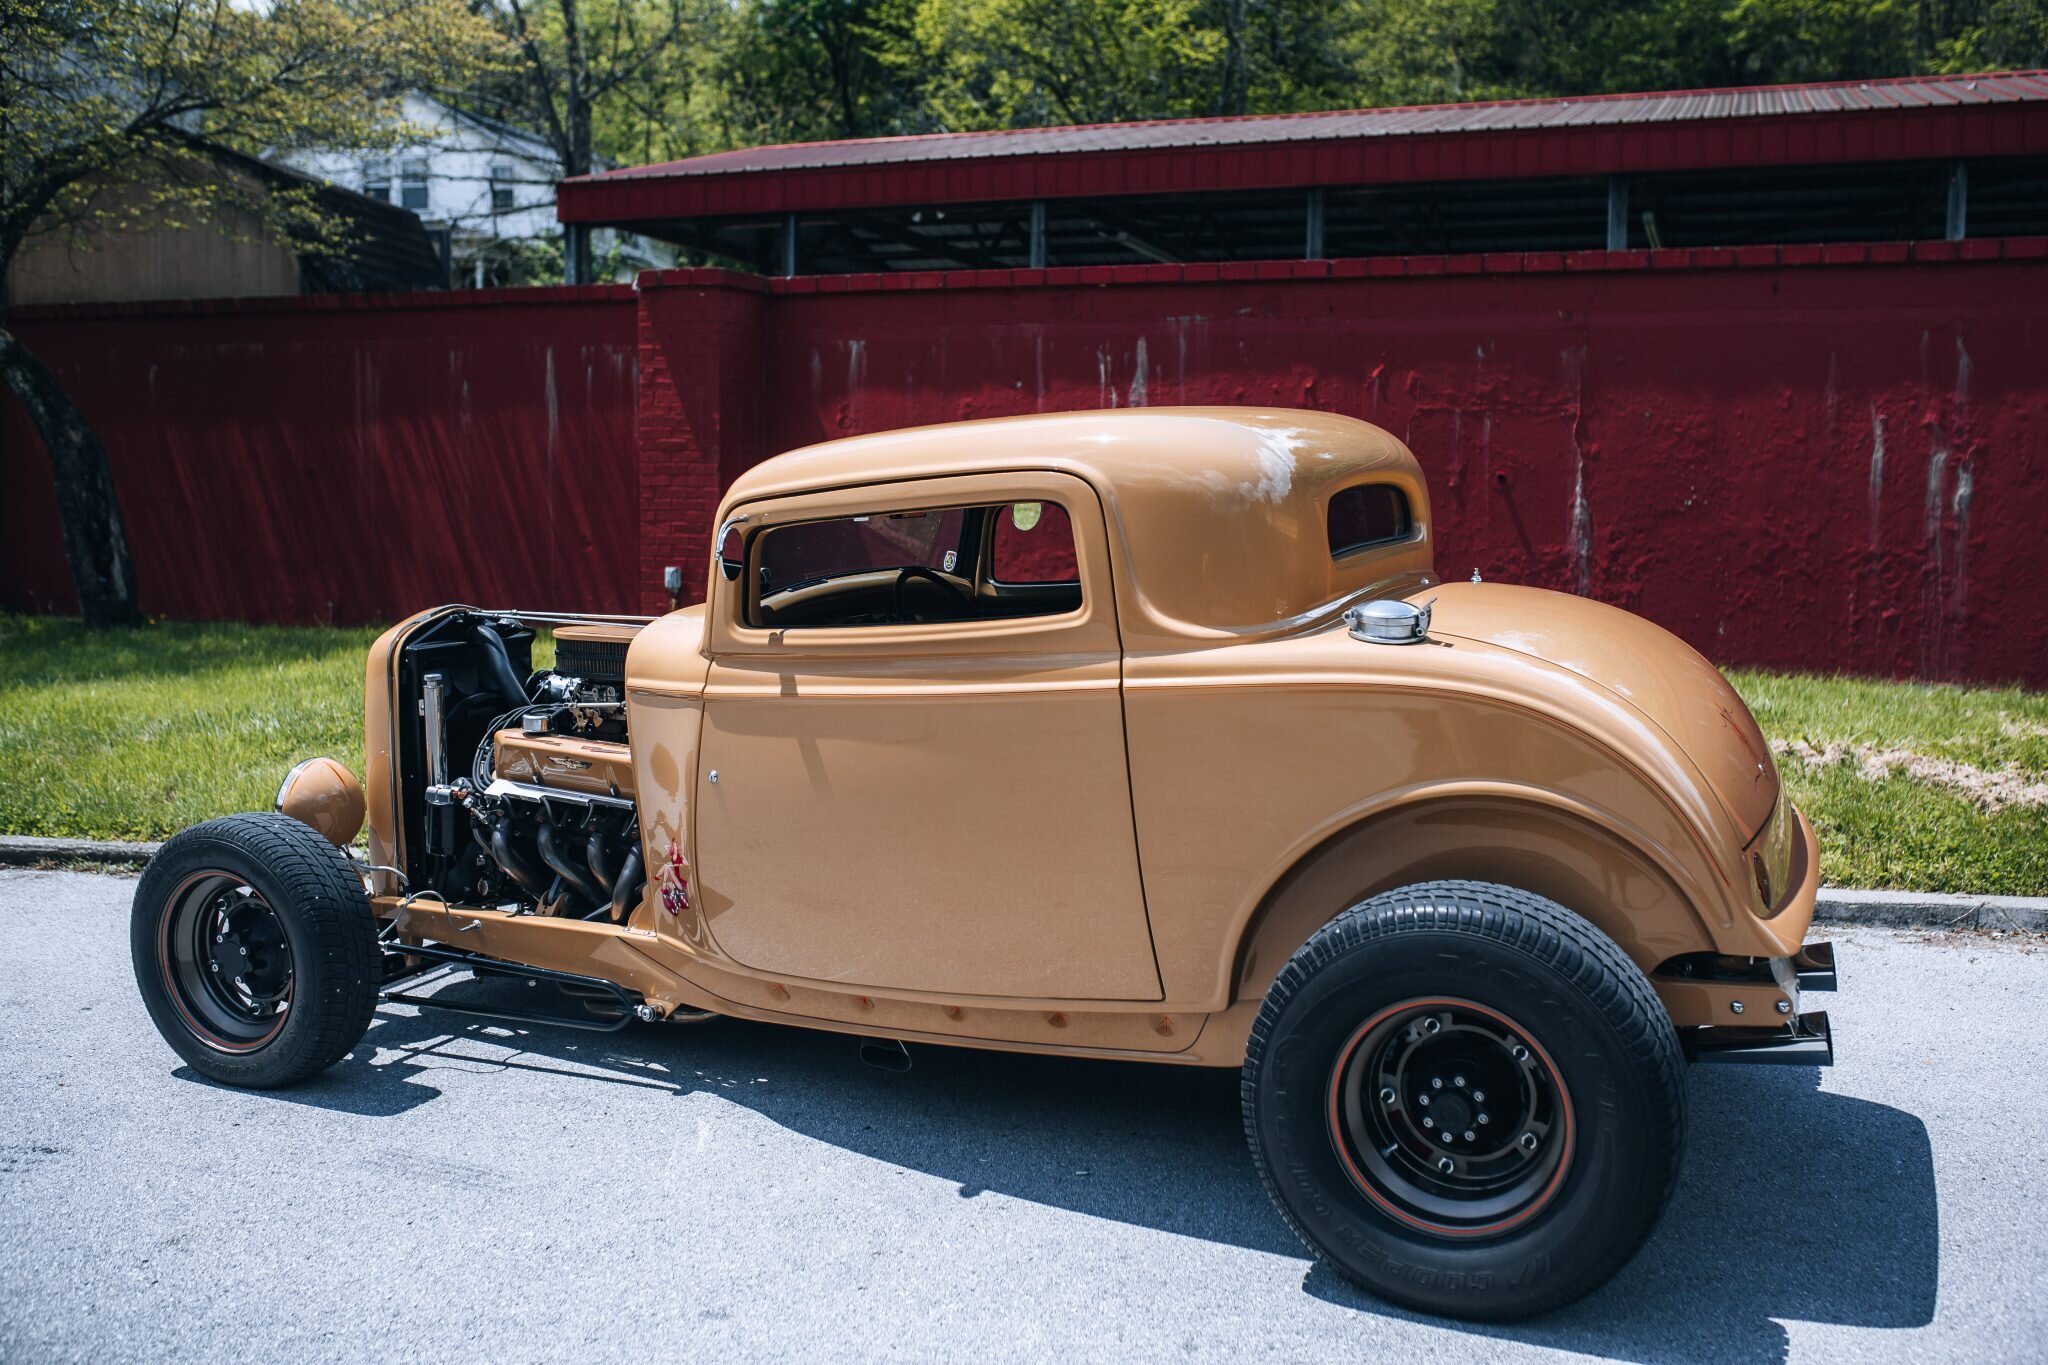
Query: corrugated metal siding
[{"x": 1775, "y": 125}]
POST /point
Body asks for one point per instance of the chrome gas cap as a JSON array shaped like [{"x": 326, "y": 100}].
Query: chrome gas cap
[{"x": 1384, "y": 621}]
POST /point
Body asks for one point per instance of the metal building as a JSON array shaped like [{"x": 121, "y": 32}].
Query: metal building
[{"x": 1916, "y": 159}]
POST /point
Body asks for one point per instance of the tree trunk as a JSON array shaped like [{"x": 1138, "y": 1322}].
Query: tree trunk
[
  {"x": 1236, "y": 86},
  {"x": 95, "y": 545},
  {"x": 577, "y": 265}
]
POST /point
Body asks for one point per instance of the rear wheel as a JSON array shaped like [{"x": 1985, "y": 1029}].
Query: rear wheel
[
  {"x": 255, "y": 950},
  {"x": 1466, "y": 1099}
]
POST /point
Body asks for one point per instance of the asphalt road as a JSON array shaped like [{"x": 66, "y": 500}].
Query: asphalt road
[{"x": 729, "y": 1190}]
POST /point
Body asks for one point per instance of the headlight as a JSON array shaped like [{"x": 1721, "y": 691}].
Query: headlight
[{"x": 323, "y": 794}]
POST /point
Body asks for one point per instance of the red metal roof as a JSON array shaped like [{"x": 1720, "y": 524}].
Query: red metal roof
[{"x": 1892, "y": 119}]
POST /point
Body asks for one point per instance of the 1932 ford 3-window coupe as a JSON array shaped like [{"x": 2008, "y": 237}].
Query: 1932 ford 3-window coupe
[{"x": 1136, "y": 735}]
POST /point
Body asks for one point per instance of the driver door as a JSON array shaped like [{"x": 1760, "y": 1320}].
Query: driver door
[{"x": 938, "y": 804}]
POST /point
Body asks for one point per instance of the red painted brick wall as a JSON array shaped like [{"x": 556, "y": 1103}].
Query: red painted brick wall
[
  {"x": 699, "y": 424},
  {"x": 1817, "y": 458},
  {"x": 344, "y": 459},
  {"x": 1823, "y": 458}
]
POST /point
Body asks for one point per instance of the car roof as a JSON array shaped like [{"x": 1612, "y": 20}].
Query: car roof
[{"x": 1218, "y": 514}]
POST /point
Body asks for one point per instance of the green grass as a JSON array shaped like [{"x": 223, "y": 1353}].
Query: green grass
[
  {"x": 135, "y": 734},
  {"x": 1900, "y": 832}
]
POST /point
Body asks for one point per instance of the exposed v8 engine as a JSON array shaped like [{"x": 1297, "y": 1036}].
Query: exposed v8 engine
[{"x": 526, "y": 776}]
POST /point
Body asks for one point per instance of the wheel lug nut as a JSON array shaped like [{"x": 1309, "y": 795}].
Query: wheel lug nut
[
  {"x": 1468, "y": 1135},
  {"x": 1483, "y": 1119},
  {"x": 1446, "y": 1165},
  {"x": 1386, "y": 1097},
  {"x": 1428, "y": 1122},
  {"x": 1479, "y": 1097},
  {"x": 1458, "y": 1081},
  {"x": 1422, "y": 1100},
  {"x": 1436, "y": 1082}
]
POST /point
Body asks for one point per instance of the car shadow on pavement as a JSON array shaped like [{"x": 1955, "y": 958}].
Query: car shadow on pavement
[{"x": 1794, "y": 1204}]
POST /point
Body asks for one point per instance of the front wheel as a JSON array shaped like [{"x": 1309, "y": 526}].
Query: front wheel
[
  {"x": 1466, "y": 1099},
  {"x": 255, "y": 950}
]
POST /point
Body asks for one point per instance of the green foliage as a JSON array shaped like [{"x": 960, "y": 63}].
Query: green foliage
[
  {"x": 106, "y": 105},
  {"x": 793, "y": 70},
  {"x": 1011, "y": 63},
  {"x": 622, "y": 80},
  {"x": 785, "y": 70}
]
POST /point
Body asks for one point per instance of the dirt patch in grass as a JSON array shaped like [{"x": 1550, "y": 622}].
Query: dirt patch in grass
[{"x": 1991, "y": 792}]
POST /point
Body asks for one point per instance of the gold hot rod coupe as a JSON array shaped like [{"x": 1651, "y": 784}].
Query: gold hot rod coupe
[{"x": 1146, "y": 735}]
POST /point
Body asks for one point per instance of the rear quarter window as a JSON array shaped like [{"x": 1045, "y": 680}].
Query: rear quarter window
[
  {"x": 1034, "y": 544},
  {"x": 1370, "y": 514}
]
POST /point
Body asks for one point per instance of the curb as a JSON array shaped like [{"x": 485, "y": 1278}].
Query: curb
[
  {"x": 25, "y": 848},
  {"x": 1931, "y": 910},
  {"x": 1878, "y": 909}
]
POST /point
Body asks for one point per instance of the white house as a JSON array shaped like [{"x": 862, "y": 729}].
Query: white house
[{"x": 489, "y": 187}]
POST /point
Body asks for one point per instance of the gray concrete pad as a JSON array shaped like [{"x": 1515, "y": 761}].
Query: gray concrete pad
[{"x": 728, "y": 1190}]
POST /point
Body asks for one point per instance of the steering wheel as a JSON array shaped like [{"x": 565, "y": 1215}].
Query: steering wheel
[{"x": 911, "y": 571}]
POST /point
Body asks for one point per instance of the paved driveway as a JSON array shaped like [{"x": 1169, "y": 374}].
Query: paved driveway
[{"x": 711, "y": 1191}]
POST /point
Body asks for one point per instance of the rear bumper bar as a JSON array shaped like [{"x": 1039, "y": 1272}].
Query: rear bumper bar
[
  {"x": 1806, "y": 1041},
  {"x": 1815, "y": 964}
]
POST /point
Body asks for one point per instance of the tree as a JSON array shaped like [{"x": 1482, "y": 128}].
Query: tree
[
  {"x": 580, "y": 60},
  {"x": 799, "y": 70},
  {"x": 111, "y": 115}
]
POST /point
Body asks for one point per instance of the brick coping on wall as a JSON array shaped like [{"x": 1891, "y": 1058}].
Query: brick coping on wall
[
  {"x": 528, "y": 297},
  {"x": 1364, "y": 267}
]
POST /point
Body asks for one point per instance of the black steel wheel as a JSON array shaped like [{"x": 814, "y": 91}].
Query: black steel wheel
[
  {"x": 1451, "y": 1117},
  {"x": 1466, "y": 1099},
  {"x": 226, "y": 961},
  {"x": 254, "y": 949}
]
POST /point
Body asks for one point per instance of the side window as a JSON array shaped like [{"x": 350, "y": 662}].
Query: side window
[
  {"x": 814, "y": 551},
  {"x": 1370, "y": 514},
  {"x": 1034, "y": 543},
  {"x": 899, "y": 568}
]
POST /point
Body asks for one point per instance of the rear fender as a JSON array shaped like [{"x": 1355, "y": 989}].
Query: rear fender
[{"x": 1535, "y": 847}]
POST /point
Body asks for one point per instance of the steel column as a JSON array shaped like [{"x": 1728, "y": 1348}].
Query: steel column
[{"x": 1617, "y": 213}]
